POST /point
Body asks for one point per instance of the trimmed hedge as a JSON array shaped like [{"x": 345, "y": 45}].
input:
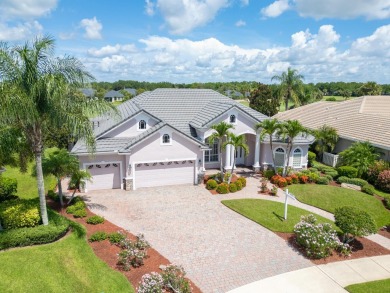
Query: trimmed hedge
[
  {"x": 369, "y": 189},
  {"x": 19, "y": 213},
  {"x": 322, "y": 180},
  {"x": 58, "y": 226},
  {"x": 211, "y": 184},
  {"x": 355, "y": 181},
  {"x": 347, "y": 171},
  {"x": 232, "y": 187},
  {"x": 311, "y": 158},
  {"x": 98, "y": 236},
  {"x": 223, "y": 188},
  {"x": 242, "y": 180}
]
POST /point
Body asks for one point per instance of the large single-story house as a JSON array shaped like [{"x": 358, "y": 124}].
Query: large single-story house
[
  {"x": 113, "y": 96},
  {"x": 364, "y": 118},
  {"x": 161, "y": 138}
]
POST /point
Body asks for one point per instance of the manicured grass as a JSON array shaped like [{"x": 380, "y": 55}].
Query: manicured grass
[
  {"x": 27, "y": 184},
  {"x": 338, "y": 98},
  {"x": 382, "y": 193},
  {"x": 329, "y": 198},
  {"x": 68, "y": 265},
  {"x": 370, "y": 287},
  {"x": 244, "y": 102},
  {"x": 270, "y": 214}
]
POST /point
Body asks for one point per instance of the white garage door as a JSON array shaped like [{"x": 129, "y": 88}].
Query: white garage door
[
  {"x": 161, "y": 174},
  {"x": 104, "y": 176}
]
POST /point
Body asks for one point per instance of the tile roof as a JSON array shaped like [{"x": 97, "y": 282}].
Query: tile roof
[
  {"x": 113, "y": 94},
  {"x": 365, "y": 118},
  {"x": 104, "y": 145}
]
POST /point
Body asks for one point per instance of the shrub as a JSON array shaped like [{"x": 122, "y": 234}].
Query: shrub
[
  {"x": 289, "y": 180},
  {"x": 354, "y": 223},
  {"x": 319, "y": 240},
  {"x": 274, "y": 179},
  {"x": 294, "y": 178},
  {"x": 331, "y": 173},
  {"x": 211, "y": 184},
  {"x": 355, "y": 181},
  {"x": 274, "y": 190},
  {"x": 223, "y": 188},
  {"x": 226, "y": 177},
  {"x": 331, "y": 99},
  {"x": 268, "y": 174},
  {"x": 305, "y": 172},
  {"x": 98, "y": 236},
  {"x": 242, "y": 180},
  {"x": 369, "y": 189},
  {"x": 94, "y": 220},
  {"x": 8, "y": 188},
  {"x": 132, "y": 253},
  {"x": 329, "y": 177},
  {"x": 263, "y": 185},
  {"x": 282, "y": 182},
  {"x": 58, "y": 226},
  {"x": 238, "y": 184},
  {"x": 387, "y": 203},
  {"x": 116, "y": 238},
  {"x": 347, "y": 171},
  {"x": 152, "y": 282},
  {"x": 322, "y": 180},
  {"x": 313, "y": 177},
  {"x": 383, "y": 181},
  {"x": 311, "y": 157},
  {"x": 71, "y": 209},
  {"x": 375, "y": 169},
  {"x": 174, "y": 279},
  {"x": 303, "y": 179},
  {"x": 312, "y": 169},
  {"x": 232, "y": 187},
  {"x": 80, "y": 213},
  {"x": 19, "y": 213},
  {"x": 52, "y": 195},
  {"x": 279, "y": 171}
]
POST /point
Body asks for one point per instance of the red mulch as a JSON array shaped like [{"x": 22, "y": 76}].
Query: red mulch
[
  {"x": 361, "y": 247},
  {"x": 108, "y": 252},
  {"x": 385, "y": 232}
]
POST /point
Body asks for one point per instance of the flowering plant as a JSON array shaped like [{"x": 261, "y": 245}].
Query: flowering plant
[{"x": 151, "y": 283}]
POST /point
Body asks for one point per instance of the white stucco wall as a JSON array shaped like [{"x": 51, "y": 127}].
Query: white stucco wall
[
  {"x": 266, "y": 154},
  {"x": 130, "y": 128}
]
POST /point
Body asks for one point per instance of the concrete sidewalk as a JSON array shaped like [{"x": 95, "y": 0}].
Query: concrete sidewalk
[{"x": 331, "y": 277}]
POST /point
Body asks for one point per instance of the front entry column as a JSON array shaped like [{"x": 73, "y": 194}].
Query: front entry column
[
  {"x": 256, "y": 165},
  {"x": 227, "y": 157},
  {"x": 232, "y": 154}
]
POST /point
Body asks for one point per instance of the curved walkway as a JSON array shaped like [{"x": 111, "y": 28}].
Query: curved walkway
[{"x": 331, "y": 277}]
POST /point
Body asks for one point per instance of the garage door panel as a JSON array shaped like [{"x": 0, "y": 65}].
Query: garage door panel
[
  {"x": 104, "y": 177},
  {"x": 149, "y": 175}
]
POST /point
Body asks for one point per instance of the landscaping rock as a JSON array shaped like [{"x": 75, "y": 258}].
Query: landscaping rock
[{"x": 351, "y": 186}]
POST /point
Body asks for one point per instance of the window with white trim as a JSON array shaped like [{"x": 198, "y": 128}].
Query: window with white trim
[
  {"x": 166, "y": 139},
  {"x": 213, "y": 154},
  {"x": 297, "y": 158},
  {"x": 279, "y": 157},
  {"x": 233, "y": 118},
  {"x": 142, "y": 125}
]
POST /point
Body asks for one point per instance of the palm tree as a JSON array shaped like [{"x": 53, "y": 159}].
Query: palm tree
[
  {"x": 221, "y": 133},
  {"x": 326, "y": 139},
  {"x": 236, "y": 141},
  {"x": 78, "y": 180},
  {"x": 268, "y": 127},
  {"x": 39, "y": 91},
  {"x": 288, "y": 130},
  {"x": 290, "y": 85},
  {"x": 60, "y": 164}
]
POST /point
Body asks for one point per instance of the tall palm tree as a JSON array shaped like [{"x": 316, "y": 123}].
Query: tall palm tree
[
  {"x": 38, "y": 90},
  {"x": 268, "y": 127},
  {"x": 221, "y": 133},
  {"x": 290, "y": 85},
  {"x": 326, "y": 139},
  {"x": 236, "y": 141},
  {"x": 289, "y": 130}
]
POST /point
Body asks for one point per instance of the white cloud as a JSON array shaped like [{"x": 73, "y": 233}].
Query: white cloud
[
  {"x": 149, "y": 7},
  {"x": 26, "y": 9},
  {"x": 275, "y": 9},
  {"x": 92, "y": 28},
  {"x": 240, "y": 23},
  {"x": 182, "y": 16},
  {"x": 245, "y": 2},
  {"x": 314, "y": 54},
  {"x": 344, "y": 9},
  {"x": 112, "y": 50},
  {"x": 20, "y": 31}
]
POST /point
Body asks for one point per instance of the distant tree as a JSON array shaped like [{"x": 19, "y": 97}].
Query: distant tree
[
  {"x": 268, "y": 128},
  {"x": 261, "y": 100},
  {"x": 326, "y": 139},
  {"x": 290, "y": 85},
  {"x": 345, "y": 93},
  {"x": 236, "y": 141},
  {"x": 308, "y": 94},
  {"x": 126, "y": 95},
  {"x": 370, "y": 88}
]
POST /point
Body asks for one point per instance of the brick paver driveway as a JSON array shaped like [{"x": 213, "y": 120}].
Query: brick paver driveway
[{"x": 219, "y": 249}]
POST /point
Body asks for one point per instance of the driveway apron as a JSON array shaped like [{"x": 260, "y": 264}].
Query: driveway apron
[{"x": 219, "y": 249}]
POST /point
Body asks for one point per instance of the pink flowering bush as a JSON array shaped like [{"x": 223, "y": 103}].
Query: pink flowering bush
[
  {"x": 151, "y": 283},
  {"x": 319, "y": 240},
  {"x": 132, "y": 253}
]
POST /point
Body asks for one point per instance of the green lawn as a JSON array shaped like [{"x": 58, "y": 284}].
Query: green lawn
[
  {"x": 370, "y": 287},
  {"x": 244, "y": 102},
  {"x": 68, "y": 265},
  {"x": 27, "y": 184},
  {"x": 338, "y": 98},
  {"x": 329, "y": 198},
  {"x": 270, "y": 214}
]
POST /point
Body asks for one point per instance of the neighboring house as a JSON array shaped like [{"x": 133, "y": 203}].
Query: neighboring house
[
  {"x": 365, "y": 118},
  {"x": 161, "y": 138},
  {"x": 88, "y": 92},
  {"x": 234, "y": 94},
  {"x": 132, "y": 92},
  {"x": 113, "y": 96}
]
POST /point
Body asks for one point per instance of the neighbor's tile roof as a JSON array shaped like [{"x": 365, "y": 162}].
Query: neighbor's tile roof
[
  {"x": 113, "y": 94},
  {"x": 365, "y": 118}
]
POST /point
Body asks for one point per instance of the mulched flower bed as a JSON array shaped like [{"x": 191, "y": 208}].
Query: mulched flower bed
[
  {"x": 213, "y": 191},
  {"x": 361, "y": 247},
  {"x": 108, "y": 252}
]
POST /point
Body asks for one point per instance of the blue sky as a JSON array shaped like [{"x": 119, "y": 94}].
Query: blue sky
[{"x": 211, "y": 40}]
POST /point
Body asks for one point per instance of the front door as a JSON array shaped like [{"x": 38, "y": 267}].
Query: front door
[{"x": 240, "y": 156}]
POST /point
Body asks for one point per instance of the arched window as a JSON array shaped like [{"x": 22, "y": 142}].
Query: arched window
[
  {"x": 297, "y": 158},
  {"x": 166, "y": 139},
  {"x": 279, "y": 157},
  {"x": 232, "y": 118},
  {"x": 142, "y": 124}
]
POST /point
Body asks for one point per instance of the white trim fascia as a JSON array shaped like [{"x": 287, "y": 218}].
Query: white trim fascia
[
  {"x": 98, "y": 153},
  {"x": 105, "y": 162}
]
